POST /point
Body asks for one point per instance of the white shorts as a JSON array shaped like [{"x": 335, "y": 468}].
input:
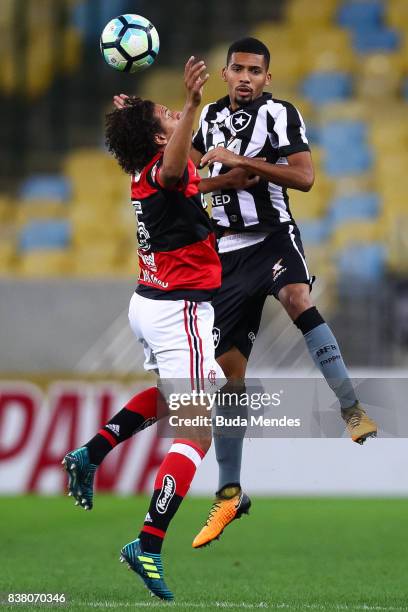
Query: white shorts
[{"x": 177, "y": 337}]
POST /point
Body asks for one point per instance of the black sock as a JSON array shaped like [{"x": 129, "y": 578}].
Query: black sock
[
  {"x": 141, "y": 411},
  {"x": 121, "y": 427}
]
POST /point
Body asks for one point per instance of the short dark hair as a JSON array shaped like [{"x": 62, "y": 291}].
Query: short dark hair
[
  {"x": 130, "y": 134},
  {"x": 249, "y": 45}
]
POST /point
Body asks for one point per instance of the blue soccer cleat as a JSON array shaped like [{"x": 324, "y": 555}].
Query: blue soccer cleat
[
  {"x": 148, "y": 566},
  {"x": 81, "y": 475}
]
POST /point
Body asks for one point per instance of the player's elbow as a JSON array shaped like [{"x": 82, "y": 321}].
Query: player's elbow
[
  {"x": 306, "y": 186},
  {"x": 307, "y": 181}
]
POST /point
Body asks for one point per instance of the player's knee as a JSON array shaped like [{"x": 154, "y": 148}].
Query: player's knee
[
  {"x": 233, "y": 364},
  {"x": 295, "y": 300}
]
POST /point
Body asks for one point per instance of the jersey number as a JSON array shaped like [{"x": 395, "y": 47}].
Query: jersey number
[{"x": 233, "y": 145}]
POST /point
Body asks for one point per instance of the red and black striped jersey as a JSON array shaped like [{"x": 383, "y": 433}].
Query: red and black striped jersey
[{"x": 177, "y": 255}]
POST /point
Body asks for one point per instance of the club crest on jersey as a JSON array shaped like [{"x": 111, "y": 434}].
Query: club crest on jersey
[
  {"x": 240, "y": 120},
  {"x": 216, "y": 336},
  {"x": 166, "y": 494},
  {"x": 212, "y": 377}
]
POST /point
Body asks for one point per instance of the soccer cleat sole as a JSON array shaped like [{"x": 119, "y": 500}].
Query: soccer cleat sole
[
  {"x": 73, "y": 491},
  {"x": 363, "y": 438}
]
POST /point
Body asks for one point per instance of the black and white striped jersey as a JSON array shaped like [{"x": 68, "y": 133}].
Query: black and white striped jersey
[{"x": 266, "y": 128}]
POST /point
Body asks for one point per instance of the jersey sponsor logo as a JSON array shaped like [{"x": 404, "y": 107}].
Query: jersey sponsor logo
[
  {"x": 220, "y": 199},
  {"x": 277, "y": 269},
  {"x": 203, "y": 201},
  {"x": 216, "y": 336},
  {"x": 240, "y": 120},
  {"x": 166, "y": 494},
  {"x": 148, "y": 277},
  {"x": 218, "y": 123},
  {"x": 142, "y": 233},
  {"x": 149, "y": 261}
]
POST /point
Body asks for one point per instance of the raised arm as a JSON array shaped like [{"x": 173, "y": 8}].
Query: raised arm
[
  {"x": 178, "y": 148},
  {"x": 195, "y": 156}
]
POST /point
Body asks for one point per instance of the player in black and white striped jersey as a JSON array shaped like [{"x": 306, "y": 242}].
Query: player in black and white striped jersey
[
  {"x": 264, "y": 128},
  {"x": 260, "y": 246}
]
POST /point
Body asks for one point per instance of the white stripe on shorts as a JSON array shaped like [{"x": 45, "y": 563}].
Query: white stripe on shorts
[
  {"x": 292, "y": 237},
  {"x": 187, "y": 451},
  {"x": 195, "y": 345}
]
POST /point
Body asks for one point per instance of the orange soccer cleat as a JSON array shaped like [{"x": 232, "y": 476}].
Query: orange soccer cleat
[{"x": 224, "y": 510}]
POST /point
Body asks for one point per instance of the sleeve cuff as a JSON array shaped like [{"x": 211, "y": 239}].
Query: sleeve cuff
[{"x": 290, "y": 149}]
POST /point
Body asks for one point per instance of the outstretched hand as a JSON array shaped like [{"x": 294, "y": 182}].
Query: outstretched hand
[
  {"x": 195, "y": 78},
  {"x": 119, "y": 101}
]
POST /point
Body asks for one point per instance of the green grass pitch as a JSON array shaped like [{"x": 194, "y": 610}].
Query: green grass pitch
[{"x": 289, "y": 554}]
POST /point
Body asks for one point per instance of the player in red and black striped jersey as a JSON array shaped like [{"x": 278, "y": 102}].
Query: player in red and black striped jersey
[
  {"x": 177, "y": 257},
  {"x": 170, "y": 312}
]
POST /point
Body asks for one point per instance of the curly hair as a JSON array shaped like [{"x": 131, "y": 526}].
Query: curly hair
[{"x": 130, "y": 134}]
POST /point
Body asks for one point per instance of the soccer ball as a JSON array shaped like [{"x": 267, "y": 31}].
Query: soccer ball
[{"x": 129, "y": 43}]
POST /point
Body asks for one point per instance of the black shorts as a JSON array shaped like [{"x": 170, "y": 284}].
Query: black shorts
[{"x": 249, "y": 275}]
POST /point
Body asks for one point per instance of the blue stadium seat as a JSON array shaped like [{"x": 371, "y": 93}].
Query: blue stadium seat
[
  {"x": 314, "y": 232},
  {"x": 313, "y": 133},
  {"x": 342, "y": 134},
  {"x": 346, "y": 151},
  {"x": 323, "y": 87},
  {"x": 376, "y": 40},
  {"x": 357, "y": 206},
  {"x": 45, "y": 187},
  {"x": 360, "y": 267},
  {"x": 50, "y": 234},
  {"x": 91, "y": 16},
  {"x": 350, "y": 163},
  {"x": 361, "y": 13}
]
